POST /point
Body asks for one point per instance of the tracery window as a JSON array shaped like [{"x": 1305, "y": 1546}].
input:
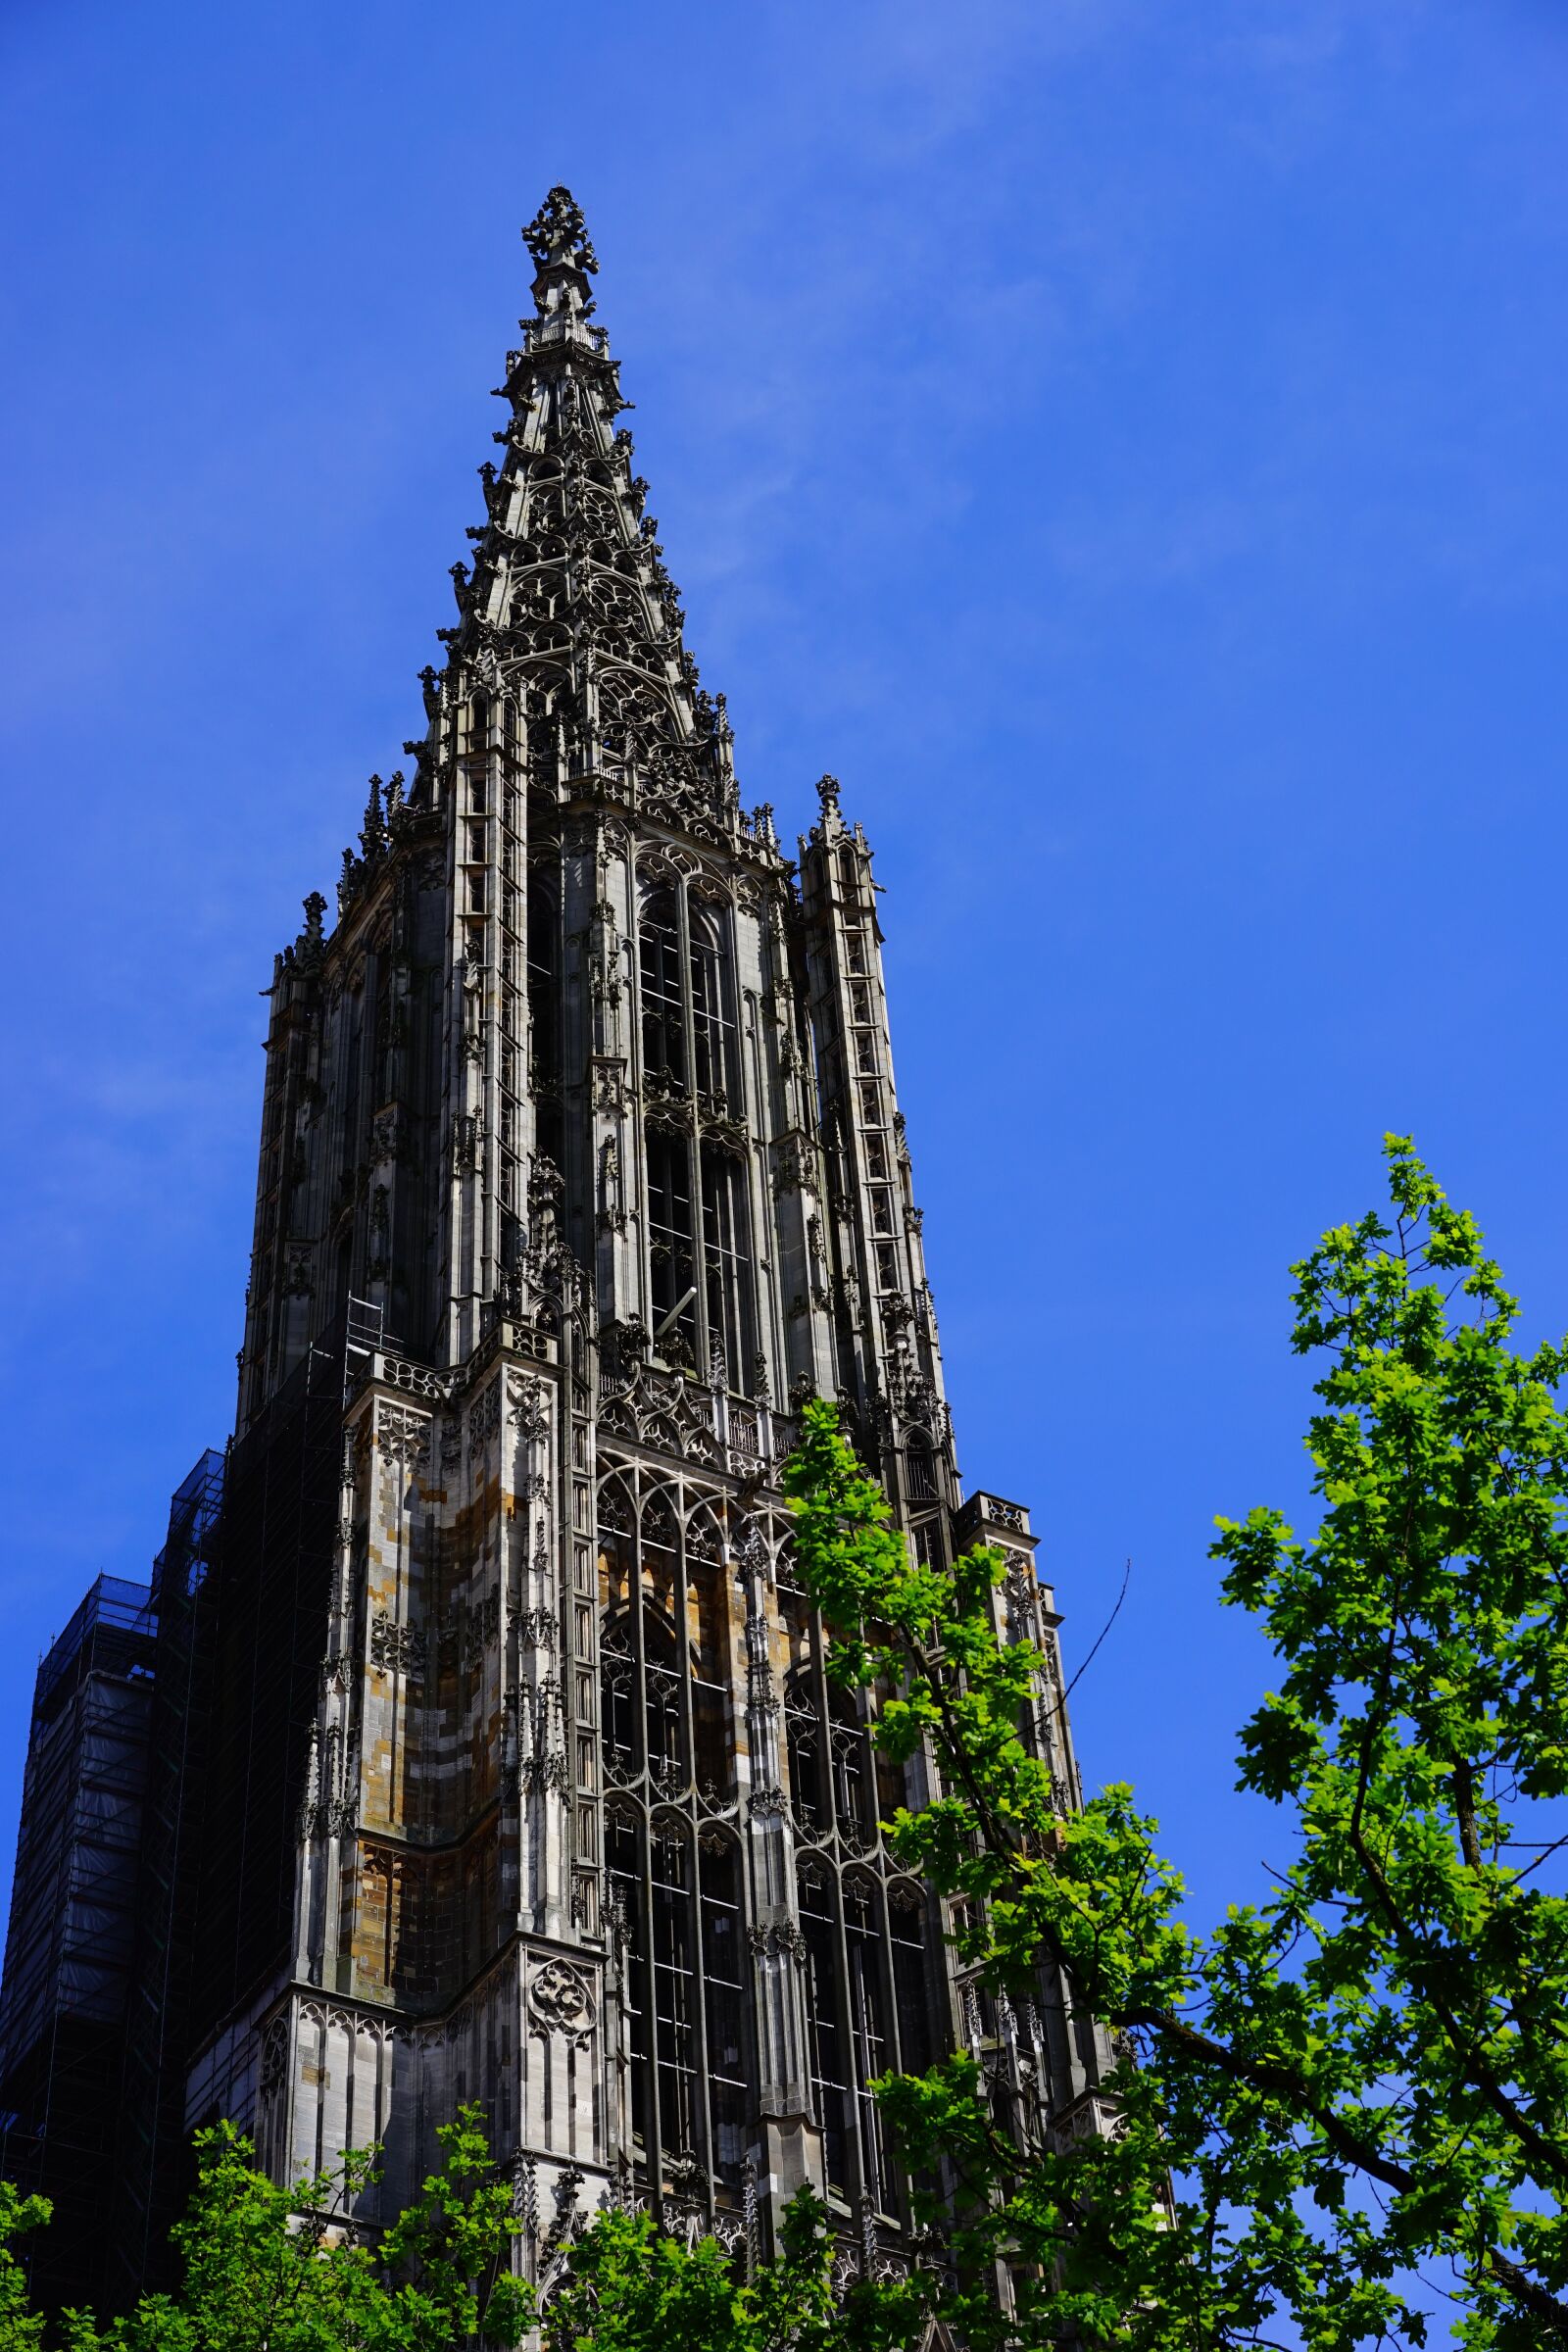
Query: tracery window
[
  {"x": 921, "y": 1471},
  {"x": 926, "y": 1537},
  {"x": 906, "y": 1936},
  {"x": 806, "y": 1741},
  {"x": 846, "y": 1743},
  {"x": 676, "y": 1882},
  {"x": 670, "y": 1242},
  {"x": 663, "y": 993},
  {"x": 865, "y": 1956},
  {"x": 713, "y": 1023},
  {"x": 699, "y": 1236},
  {"x": 543, "y": 981},
  {"x": 718, "y": 1866},
  {"x": 544, "y": 984},
  {"x": 847, "y": 2009},
  {"x": 674, "y": 1985},
  {"x": 830, "y": 2058},
  {"x": 847, "y": 2029},
  {"x": 674, "y": 1867},
  {"x": 383, "y": 1035},
  {"x": 726, "y": 1269},
  {"x": 869, "y": 1992}
]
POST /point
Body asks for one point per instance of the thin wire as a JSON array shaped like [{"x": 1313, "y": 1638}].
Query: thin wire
[{"x": 1126, "y": 1579}]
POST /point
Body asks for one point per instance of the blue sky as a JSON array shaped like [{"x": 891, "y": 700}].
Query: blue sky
[{"x": 1123, "y": 441}]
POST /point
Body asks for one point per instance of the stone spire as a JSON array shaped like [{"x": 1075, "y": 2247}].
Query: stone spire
[
  {"x": 569, "y": 606},
  {"x": 581, "y": 1165}
]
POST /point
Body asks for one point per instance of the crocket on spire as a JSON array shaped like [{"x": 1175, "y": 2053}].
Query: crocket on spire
[{"x": 568, "y": 611}]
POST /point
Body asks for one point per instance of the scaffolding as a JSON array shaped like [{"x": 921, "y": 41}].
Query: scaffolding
[
  {"x": 71, "y": 1947},
  {"x": 152, "y": 2150},
  {"x": 240, "y": 1595},
  {"x": 266, "y": 1611}
]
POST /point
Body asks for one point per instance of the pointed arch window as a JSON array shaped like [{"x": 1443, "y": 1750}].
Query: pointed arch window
[
  {"x": 804, "y": 1742},
  {"x": 921, "y": 1470},
  {"x": 830, "y": 2092},
  {"x": 912, "y": 1998},
  {"x": 866, "y": 1987},
  {"x": 618, "y": 1709},
  {"x": 671, "y": 1246},
  {"x": 665, "y": 1744},
  {"x": 384, "y": 1033},
  {"x": 674, "y": 1989},
  {"x": 713, "y": 1020},
  {"x": 543, "y": 976},
  {"x": 698, "y": 1229},
  {"x": 663, "y": 993},
  {"x": 349, "y": 1041},
  {"x": 544, "y": 984},
  {"x": 853, "y": 1808},
  {"x": 674, "y": 1873},
  {"x": 873, "y": 2004},
  {"x": 926, "y": 1538},
  {"x": 727, "y": 1267},
  {"x": 723, "y": 1970}
]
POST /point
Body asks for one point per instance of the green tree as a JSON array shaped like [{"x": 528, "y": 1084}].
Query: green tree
[
  {"x": 1363, "y": 2075},
  {"x": 20, "y": 2328},
  {"x": 449, "y": 2250},
  {"x": 633, "y": 2288},
  {"x": 283, "y": 2270}
]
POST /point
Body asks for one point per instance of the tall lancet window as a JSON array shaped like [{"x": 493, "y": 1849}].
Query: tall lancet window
[
  {"x": 699, "y": 1236},
  {"x": 544, "y": 1013},
  {"x": 674, "y": 1866},
  {"x": 544, "y": 984},
  {"x": 869, "y": 2004},
  {"x": 663, "y": 993},
  {"x": 383, "y": 1039},
  {"x": 713, "y": 1020},
  {"x": 726, "y": 1268},
  {"x": 673, "y": 1265}
]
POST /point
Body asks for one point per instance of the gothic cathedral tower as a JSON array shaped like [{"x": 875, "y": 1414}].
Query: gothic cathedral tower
[{"x": 505, "y": 1766}]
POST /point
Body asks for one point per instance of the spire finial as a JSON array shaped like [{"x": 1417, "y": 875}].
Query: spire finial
[
  {"x": 557, "y": 236},
  {"x": 372, "y": 838},
  {"x": 827, "y": 792}
]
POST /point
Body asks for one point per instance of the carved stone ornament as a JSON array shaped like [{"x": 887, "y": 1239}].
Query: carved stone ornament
[
  {"x": 1021, "y": 1588},
  {"x": 561, "y": 1999},
  {"x": 780, "y": 1939},
  {"x": 403, "y": 1437},
  {"x": 397, "y": 1649},
  {"x": 274, "y": 2055},
  {"x": 536, "y": 1628},
  {"x": 484, "y": 1417},
  {"x": 525, "y": 1407}
]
